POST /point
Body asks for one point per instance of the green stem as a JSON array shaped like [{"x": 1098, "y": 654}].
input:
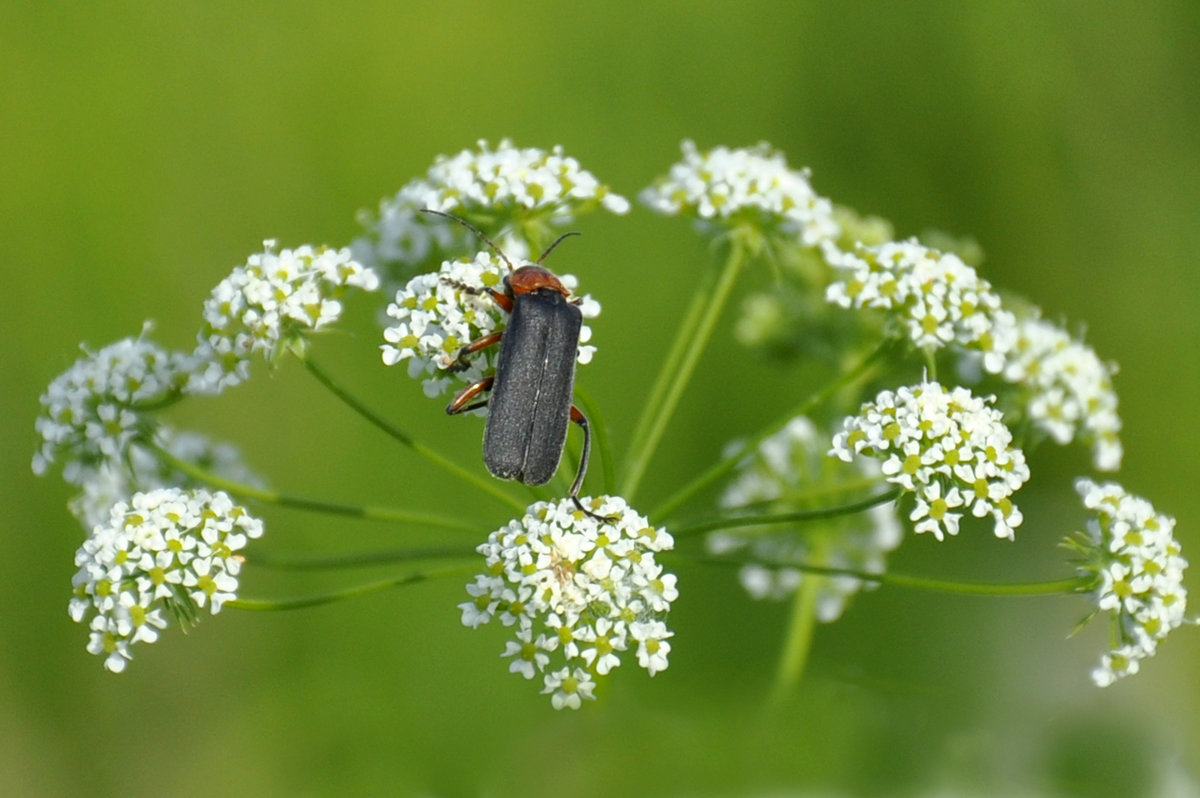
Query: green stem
[
  {"x": 670, "y": 365},
  {"x": 690, "y": 342},
  {"x": 359, "y": 560},
  {"x": 172, "y": 397},
  {"x": 798, "y": 642},
  {"x": 727, "y": 463},
  {"x": 1073, "y": 584},
  {"x": 731, "y": 522},
  {"x": 485, "y": 485},
  {"x": 270, "y": 605},
  {"x": 1070, "y": 585},
  {"x": 272, "y": 497},
  {"x": 931, "y": 370}
]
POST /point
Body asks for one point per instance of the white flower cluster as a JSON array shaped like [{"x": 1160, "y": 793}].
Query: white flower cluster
[
  {"x": 93, "y": 411},
  {"x": 1069, "y": 390},
  {"x": 165, "y": 553},
  {"x": 948, "y": 448},
  {"x": 141, "y": 469},
  {"x": 578, "y": 589},
  {"x": 785, "y": 468},
  {"x": 435, "y": 317},
  {"x": 267, "y": 306},
  {"x": 93, "y": 414},
  {"x": 511, "y": 183},
  {"x": 1132, "y": 553},
  {"x": 752, "y": 184},
  {"x": 937, "y": 299}
]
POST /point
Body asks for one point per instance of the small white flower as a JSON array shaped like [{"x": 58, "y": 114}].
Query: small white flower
[
  {"x": 569, "y": 614},
  {"x": 529, "y": 656},
  {"x": 522, "y": 187},
  {"x": 569, "y": 687},
  {"x": 724, "y": 186},
  {"x": 653, "y": 648},
  {"x": 165, "y": 552},
  {"x": 934, "y": 297},
  {"x": 434, "y": 318},
  {"x": 482, "y": 607},
  {"x": 1130, "y": 552},
  {"x": 604, "y": 639},
  {"x": 785, "y": 471},
  {"x": 1067, "y": 391},
  {"x": 270, "y": 304},
  {"x": 933, "y": 511},
  {"x": 948, "y": 448}
]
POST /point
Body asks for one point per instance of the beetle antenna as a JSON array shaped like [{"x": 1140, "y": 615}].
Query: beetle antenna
[
  {"x": 482, "y": 237},
  {"x": 550, "y": 248}
]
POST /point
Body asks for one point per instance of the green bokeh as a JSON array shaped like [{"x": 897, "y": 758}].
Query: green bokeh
[{"x": 149, "y": 147}]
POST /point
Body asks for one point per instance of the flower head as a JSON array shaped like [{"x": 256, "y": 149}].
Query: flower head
[
  {"x": 950, "y": 449},
  {"x": 164, "y": 553},
  {"x": 751, "y": 185},
  {"x": 268, "y": 306},
  {"x": 436, "y": 314},
  {"x": 935, "y": 297},
  {"x": 1130, "y": 552},
  {"x": 92, "y": 412},
  {"x": 785, "y": 471},
  {"x": 579, "y": 592},
  {"x": 527, "y": 188},
  {"x": 1067, "y": 390}
]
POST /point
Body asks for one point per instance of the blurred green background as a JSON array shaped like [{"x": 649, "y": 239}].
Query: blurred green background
[{"x": 149, "y": 147}]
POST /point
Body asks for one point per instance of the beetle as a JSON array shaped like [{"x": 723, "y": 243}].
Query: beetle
[{"x": 530, "y": 393}]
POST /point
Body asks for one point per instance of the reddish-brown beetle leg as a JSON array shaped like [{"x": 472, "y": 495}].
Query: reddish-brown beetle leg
[
  {"x": 500, "y": 298},
  {"x": 460, "y": 360},
  {"x": 459, "y": 403}
]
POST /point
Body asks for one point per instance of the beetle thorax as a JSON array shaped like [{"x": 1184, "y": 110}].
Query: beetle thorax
[{"x": 532, "y": 277}]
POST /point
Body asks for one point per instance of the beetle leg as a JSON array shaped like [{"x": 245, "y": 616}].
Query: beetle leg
[
  {"x": 460, "y": 360},
  {"x": 579, "y": 418},
  {"x": 498, "y": 297},
  {"x": 459, "y": 403}
]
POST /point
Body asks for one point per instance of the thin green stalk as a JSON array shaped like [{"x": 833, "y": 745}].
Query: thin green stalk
[
  {"x": 670, "y": 364},
  {"x": 764, "y": 519},
  {"x": 727, "y": 463},
  {"x": 360, "y": 559},
  {"x": 172, "y": 397},
  {"x": 798, "y": 641},
  {"x": 485, "y": 485},
  {"x": 694, "y": 340},
  {"x": 931, "y": 370},
  {"x": 1072, "y": 584},
  {"x": 335, "y": 508},
  {"x": 854, "y": 486},
  {"x": 271, "y": 605}
]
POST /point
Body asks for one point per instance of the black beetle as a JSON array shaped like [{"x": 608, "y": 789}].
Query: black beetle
[{"x": 530, "y": 405}]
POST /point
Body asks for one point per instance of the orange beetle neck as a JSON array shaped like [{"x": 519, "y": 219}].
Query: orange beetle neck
[{"x": 531, "y": 277}]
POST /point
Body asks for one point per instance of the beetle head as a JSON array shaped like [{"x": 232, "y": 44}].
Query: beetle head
[{"x": 532, "y": 277}]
